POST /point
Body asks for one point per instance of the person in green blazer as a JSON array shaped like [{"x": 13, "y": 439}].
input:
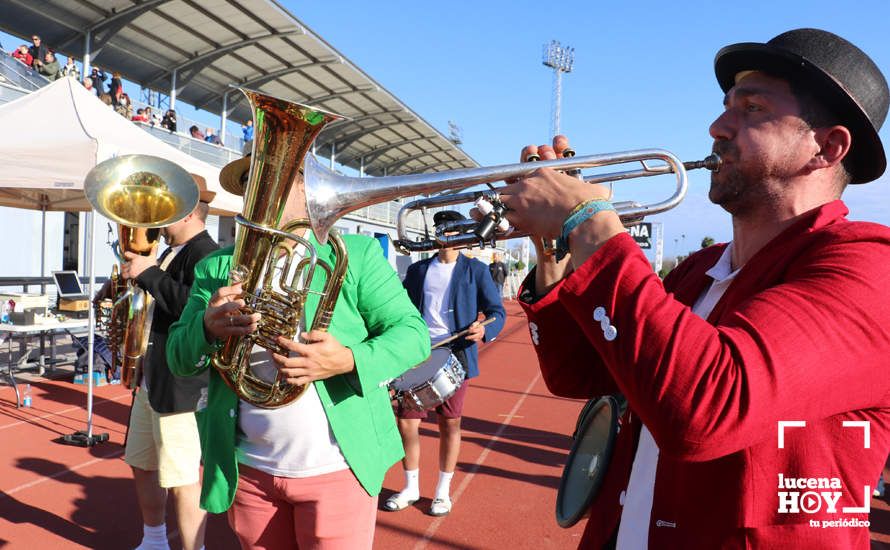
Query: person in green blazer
[{"x": 310, "y": 471}]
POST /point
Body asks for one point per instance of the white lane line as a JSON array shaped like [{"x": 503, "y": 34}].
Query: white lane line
[
  {"x": 31, "y": 419},
  {"x": 59, "y": 474},
  {"x": 434, "y": 526}
]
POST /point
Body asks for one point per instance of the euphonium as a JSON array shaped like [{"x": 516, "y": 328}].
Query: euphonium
[
  {"x": 142, "y": 194},
  {"x": 283, "y": 134}
]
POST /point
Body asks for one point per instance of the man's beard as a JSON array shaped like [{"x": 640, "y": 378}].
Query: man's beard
[{"x": 736, "y": 187}]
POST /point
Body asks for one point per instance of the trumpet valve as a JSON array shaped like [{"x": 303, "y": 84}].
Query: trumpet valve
[{"x": 493, "y": 219}]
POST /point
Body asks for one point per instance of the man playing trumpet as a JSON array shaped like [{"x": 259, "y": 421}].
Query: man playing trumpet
[{"x": 782, "y": 330}]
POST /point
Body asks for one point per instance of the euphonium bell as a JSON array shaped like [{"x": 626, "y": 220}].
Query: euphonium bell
[
  {"x": 283, "y": 133},
  {"x": 142, "y": 194}
]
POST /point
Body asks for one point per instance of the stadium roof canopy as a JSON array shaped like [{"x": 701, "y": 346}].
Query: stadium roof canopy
[{"x": 211, "y": 44}]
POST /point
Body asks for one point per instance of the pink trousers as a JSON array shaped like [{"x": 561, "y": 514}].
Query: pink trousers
[{"x": 326, "y": 512}]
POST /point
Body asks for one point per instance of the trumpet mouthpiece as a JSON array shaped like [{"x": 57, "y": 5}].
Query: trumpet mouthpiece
[{"x": 712, "y": 162}]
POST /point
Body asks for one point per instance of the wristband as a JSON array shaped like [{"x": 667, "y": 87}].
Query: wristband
[{"x": 576, "y": 217}]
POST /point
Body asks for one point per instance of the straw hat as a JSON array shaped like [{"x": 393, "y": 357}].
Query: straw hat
[
  {"x": 203, "y": 194},
  {"x": 233, "y": 176}
]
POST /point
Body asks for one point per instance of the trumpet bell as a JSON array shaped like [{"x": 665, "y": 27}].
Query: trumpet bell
[{"x": 141, "y": 191}]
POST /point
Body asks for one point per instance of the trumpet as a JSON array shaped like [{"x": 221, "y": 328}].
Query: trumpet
[{"x": 330, "y": 196}]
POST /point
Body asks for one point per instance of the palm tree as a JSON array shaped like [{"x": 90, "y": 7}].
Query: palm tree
[{"x": 707, "y": 241}]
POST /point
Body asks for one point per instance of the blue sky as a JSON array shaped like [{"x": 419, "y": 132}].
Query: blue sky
[{"x": 642, "y": 78}]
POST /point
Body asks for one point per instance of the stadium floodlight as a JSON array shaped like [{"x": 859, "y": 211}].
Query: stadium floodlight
[{"x": 561, "y": 59}]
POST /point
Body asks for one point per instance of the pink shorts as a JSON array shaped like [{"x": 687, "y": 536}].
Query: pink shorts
[
  {"x": 325, "y": 512},
  {"x": 451, "y": 408}
]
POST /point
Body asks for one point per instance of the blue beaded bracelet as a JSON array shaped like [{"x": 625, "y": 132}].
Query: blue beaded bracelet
[{"x": 579, "y": 215}]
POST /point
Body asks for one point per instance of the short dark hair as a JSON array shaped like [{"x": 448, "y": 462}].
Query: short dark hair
[
  {"x": 817, "y": 114},
  {"x": 202, "y": 210}
]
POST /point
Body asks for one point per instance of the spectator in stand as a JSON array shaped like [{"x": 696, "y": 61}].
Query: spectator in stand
[
  {"x": 169, "y": 120},
  {"x": 247, "y": 130},
  {"x": 88, "y": 84},
  {"x": 70, "y": 69},
  {"x": 21, "y": 53},
  {"x": 49, "y": 67},
  {"x": 152, "y": 117},
  {"x": 196, "y": 133},
  {"x": 211, "y": 137},
  {"x": 116, "y": 88},
  {"x": 106, "y": 99},
  {"x": 37, "y": 50},
  {"x": 124, "y": 107},
  {"x": 99, "y": 77},
  {"x": 140, "y": 116}
]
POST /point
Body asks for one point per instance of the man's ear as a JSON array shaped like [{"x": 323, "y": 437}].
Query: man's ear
[{"x": 834, "y": 144}]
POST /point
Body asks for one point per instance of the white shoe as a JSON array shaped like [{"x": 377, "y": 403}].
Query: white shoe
[
  {"x": 440, "y": 507},
  {"x": 399, "y": 501}
]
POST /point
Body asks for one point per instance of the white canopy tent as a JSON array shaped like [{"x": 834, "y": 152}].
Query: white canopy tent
[
  {"x": 49, "y": 141},
  {"x": 51, "y": 138}
]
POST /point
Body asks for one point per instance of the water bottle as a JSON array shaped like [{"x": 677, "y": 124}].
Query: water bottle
[{"x": 26, "y": 396}]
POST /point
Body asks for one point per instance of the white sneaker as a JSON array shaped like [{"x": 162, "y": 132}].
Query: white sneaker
[{"x": 440, "y": 507}]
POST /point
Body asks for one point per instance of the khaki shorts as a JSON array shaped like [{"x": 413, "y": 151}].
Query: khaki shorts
[{"x": 166, "y": 443}]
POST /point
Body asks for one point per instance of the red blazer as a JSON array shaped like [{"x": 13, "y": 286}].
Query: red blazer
[{"x": 801, "y": 334}]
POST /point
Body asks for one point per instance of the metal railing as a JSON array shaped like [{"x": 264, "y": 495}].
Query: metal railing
[
  {"x": 16, "y": 74},
  {"x": 232, "y": 141}
]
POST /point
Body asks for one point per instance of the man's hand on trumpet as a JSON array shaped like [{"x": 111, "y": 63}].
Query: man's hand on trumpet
[
  {"x": 318, "y": 356},
  {"x": 224, "y": 318},
  {"x": 543, "y": 203}
]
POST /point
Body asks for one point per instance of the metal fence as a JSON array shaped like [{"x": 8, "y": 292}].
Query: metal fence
[{"x": 16, "y": 74}]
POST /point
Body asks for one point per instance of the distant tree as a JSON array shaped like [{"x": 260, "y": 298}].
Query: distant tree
[
  {"x": 519, "y": 265},
  {"x": 706, "y": 242}
]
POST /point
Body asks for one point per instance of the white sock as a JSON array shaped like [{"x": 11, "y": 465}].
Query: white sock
[
  {"x": 154, "y": 537},
  {"x": 443, "y": 489},
  {"x": 412, "y": 483}
]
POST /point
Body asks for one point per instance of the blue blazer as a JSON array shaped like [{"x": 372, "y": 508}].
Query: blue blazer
[{"x": 472, "y": 291}]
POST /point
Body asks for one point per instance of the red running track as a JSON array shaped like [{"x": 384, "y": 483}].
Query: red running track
[{"x": 516, "y": 437}]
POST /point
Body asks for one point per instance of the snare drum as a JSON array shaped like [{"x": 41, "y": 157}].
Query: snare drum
[{"x": 430, "y": 383}]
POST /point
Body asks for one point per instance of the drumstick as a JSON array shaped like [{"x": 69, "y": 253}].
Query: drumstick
[{"x": 459, "y": 334}]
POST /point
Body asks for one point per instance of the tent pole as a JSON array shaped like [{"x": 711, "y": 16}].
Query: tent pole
[
  {"x": 92, "y": 324},
  {"x": 42, "y": 242},
  {"x": 87, "y": 439}
]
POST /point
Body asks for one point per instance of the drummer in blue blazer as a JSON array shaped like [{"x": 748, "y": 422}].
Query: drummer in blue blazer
[{"x": 450, "y": 291}]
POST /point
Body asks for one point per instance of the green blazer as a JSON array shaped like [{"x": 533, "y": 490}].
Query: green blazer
[{"x": 373, "y": 317}]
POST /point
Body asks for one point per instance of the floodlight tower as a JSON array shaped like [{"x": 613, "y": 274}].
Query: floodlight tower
[{"x": 560, "y": 59}]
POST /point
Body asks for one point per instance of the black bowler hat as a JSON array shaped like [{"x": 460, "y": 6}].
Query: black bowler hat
[
  {"x": 447, "y": 216},
  {"x": 842, "y": 76}
]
